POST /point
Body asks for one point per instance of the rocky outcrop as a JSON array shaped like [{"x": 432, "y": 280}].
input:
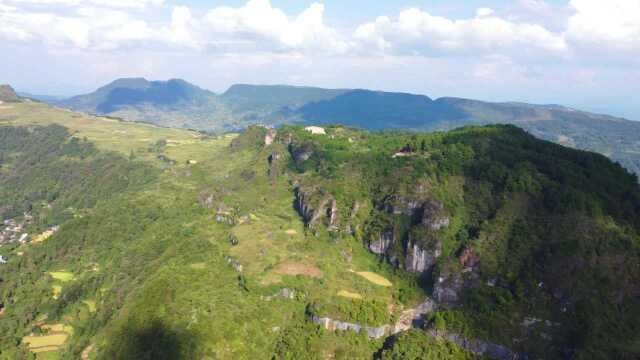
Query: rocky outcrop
[
  {"x": 408, "y": 319},
  {"x": 431, "y": 216},
  {"x": 270, "y": 137},
  {"x": 446, "y": 289},
  {"x": 450, "y": 283},
  {"x": 301, "y": 152},
  {"x": 478, "y": 347},
  {"x": 333, "y": 325},
  {"x": 276, "y": 167},
  {"x": 225, "y": 215},
  {"x": 382, "y": 244},
  {"x": 419, "y": 259},
  {"x": 420, "y": 248},
  {"x": 317, "y": 207}
]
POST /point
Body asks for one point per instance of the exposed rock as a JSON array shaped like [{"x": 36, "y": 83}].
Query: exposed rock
[
  {"x": 418, "y": 259},
  {"x": 224, "y": 215},
  {"x": 235, "y": 264},
  {"x": 316, "y": 130},
  {"x": 333, "y": 325},
  {"x": 270, "y": 137},
  {"x": 446, "y": 289},
  {"x": 382, "y": 244},
  {"x": 205, "y": 198},
  {"x": 431, "y": 216},
  {"x": 478, "y": 347},
  {"x": 402, "y": 205},
  {"x": 301, "y": 152},
  {"x": 469, "y": 259},
  {"x": 408, "y": 319},
  {"x": 276, "y": 164},
  {"x": 288, "y": 293},
  {"x": 316, "y": 206}
]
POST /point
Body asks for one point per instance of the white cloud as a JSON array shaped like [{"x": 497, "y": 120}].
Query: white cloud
[
  {"x": 601, "y": 26},
  {"x": 257, "y": 21},
  {"x": 418, "y": 32},
  {"x": 483, "y": 12},
  {"x": 85, "y": 28}
]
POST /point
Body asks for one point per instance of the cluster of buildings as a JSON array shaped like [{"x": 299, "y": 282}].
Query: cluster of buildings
[{"x": 13, "y": 231}]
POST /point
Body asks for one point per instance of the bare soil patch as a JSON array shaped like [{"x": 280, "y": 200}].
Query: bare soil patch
[{"x": 298, "y": 268}]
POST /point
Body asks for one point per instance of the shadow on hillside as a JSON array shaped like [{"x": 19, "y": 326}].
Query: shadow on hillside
[{"x": 153, "y": 341}]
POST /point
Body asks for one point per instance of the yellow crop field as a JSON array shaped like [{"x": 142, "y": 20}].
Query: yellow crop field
[
  {"x": 349, "y": 294},
  {"x": 62, "y": 276},
  {"x": 375, "y": 278}
]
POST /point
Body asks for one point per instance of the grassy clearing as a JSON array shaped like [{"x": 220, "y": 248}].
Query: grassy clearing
[
  {"x": 375, "y": 278},
  {"x": 349, "y": 295}
]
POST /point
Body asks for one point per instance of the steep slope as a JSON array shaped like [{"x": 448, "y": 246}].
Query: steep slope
[
  {"x": 7, "y": 94},
  {"x": 146, "y": 242},
  {"x": 523, "y": 243}
]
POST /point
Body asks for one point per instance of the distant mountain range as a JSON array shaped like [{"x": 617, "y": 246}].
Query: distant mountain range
[{"x": 177, "y": 103}]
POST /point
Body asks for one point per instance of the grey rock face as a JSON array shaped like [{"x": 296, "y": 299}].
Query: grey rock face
[
  {"x": 431, "y": 217},
  {"x": 478, "y": 347},
  {"x": 447, "y": 288},
  {"x": 418, "y": 259},
  {"x": 316, "y": 206},
  {"x": 333, "y": 325},
  {"x": 382, "y": 244}
]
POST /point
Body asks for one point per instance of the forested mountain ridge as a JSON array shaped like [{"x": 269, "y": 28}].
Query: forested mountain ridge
[
  {"x": 145, "y": 242},
  {"x": 176, "y": 103}
]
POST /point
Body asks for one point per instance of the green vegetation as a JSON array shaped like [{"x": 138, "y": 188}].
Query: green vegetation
[
  {"x": 229, "y": 256},
  {"x": 417, "y": 345}
]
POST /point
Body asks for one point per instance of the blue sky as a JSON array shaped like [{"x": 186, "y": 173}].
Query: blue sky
[{"x": 580, "y": 53}]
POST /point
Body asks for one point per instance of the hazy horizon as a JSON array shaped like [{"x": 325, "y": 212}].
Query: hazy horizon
[{"x": 577, "y": 53}]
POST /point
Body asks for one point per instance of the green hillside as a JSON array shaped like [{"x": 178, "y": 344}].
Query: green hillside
[
  {"x": 154, "y": 243},
  {"x": 176, "y": 103}
]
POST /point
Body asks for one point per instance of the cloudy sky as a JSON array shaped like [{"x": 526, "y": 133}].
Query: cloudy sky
[{"x": 581, "y": 53}]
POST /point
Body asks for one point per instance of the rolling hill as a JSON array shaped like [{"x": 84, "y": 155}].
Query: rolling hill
[
  {"x": 144, "y": 242},
  {"x": 176, "y": 103}
]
